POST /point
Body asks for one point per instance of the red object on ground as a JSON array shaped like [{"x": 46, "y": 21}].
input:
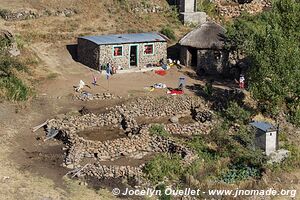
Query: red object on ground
[
  {"x": 175, "y": 92},
  {"x": 242, "y": 85},
  {"x": 160, "y": 72}
]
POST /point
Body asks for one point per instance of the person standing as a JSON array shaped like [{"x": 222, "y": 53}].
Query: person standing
[
  {"x": 100, "y": 68},
  {"x": 242, "y": 82},
  {"x": 94, "y": 80}
]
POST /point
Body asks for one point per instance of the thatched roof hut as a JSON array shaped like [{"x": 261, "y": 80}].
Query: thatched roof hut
[{"x": 209, "y": 35}]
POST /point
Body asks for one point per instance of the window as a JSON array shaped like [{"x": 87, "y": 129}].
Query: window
[
  {"x": 148, "y": 49},
  {"x": 118, "y": 51}
]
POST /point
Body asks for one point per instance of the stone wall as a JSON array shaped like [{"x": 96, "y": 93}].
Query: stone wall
[
  {"x": 138, "y": 139},
  {"x": 106, "y": 55},
  {"x": 25, "y": 14},
  {"x": 88, "y": 53}
]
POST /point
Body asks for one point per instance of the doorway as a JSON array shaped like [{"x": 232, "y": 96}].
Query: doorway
[
  {"x": 133, "y": 54},
  {"x": 193, "y": 57}
]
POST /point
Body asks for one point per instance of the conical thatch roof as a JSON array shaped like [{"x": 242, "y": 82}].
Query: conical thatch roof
[{"x": 208, "y": 35}]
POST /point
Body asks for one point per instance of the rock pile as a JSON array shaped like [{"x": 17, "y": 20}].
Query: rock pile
[
  {"x": 86, "y": 96},
  {"x": 231, "y": 10},
  {"x": 25, "y": 14},
  {"x": 190, "y": 129},
  {"x": 112, "y": 171},
  {"x": 200, "y": 115},
  {"x": 130, "y": 125},
  {"x": 148, "y": 9}
]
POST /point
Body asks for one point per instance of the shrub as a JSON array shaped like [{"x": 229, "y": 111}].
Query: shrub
[
  {"x": 167, "y": 31},
  {"x": 239, "y": 173},
  {"x": 293, "y": 161},
  {"x": 163, "y": 196},
  {"x": 208, "y": 7},
  {"x": 159, "y": 130},
  {"x": 199, "y": 145},
  {"x": 269, "y": 40},
  {"x": 236, "y": 113},
  {"x": 4, "y": 13},
  {"x": 164, "y": 166}
]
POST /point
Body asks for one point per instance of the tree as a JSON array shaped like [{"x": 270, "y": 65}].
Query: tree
[{"x": 271, "y": 41}]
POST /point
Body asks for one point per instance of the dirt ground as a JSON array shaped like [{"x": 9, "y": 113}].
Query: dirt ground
[{"x": 31, "y": 168}]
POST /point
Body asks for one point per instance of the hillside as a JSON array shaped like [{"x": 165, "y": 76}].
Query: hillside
[
  {"x": 124, "y": 129},
  {"x": 88, "y": 17}
]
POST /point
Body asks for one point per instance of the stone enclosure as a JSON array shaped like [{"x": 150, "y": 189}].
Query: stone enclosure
[{"x": 125, "y": 155}]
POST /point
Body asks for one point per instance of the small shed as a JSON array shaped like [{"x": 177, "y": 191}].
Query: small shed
[
  {"x": 266, "y": 136},
  {"x": 122, "y": 50},
  {"x": 203, "y": 49}
]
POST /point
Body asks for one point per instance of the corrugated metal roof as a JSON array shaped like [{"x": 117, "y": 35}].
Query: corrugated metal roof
[
  {"x": 264, "y": 126},
  {"x": 125, "y": 38}
]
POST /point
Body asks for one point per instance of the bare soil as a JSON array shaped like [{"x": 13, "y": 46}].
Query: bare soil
[{"x": 102, "y": 134}]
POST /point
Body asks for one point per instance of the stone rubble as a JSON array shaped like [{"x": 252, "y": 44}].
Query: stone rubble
[
  {"x": 139, "y": 139},
  {"x": 85, "y": 96},
  {"x": 232, "y": 10},
  {"x": 25, "y": 14}
]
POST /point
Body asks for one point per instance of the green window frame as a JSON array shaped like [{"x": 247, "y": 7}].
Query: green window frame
[{"x": 144, "y": 49}]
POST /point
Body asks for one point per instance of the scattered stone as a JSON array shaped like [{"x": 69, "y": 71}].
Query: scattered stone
[
  {"x": 278, "y": 156},
  {"x": 26, "y": 14},
  {"x": 174, "y": 119}
]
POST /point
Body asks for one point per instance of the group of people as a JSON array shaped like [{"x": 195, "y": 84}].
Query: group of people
[{"x": 109, "y": 69}]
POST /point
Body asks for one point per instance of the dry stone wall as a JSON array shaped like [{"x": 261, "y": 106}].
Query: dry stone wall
[
  {"x": 228, "y": 9},
  {"x": 25, "y": 14},
  {"x": 137, "y": 140},
  {"x": 106, "y": 55},
  {"x": 88, "y": 53}
]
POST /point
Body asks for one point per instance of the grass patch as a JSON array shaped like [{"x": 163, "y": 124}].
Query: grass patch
[
  {"x": 52, "y": 76},
  {"x": 169, "y": 32},
  {"x": 14, "y": 88},
  {"x": 164, "y": 166},
  {"x": 159, "y": 130},
  {"x": 208, "y": 7}
]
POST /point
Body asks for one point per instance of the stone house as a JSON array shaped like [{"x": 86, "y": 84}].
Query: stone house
[
  {"x": 203, "y": 49},
  {"x": 122, "y": 50}
]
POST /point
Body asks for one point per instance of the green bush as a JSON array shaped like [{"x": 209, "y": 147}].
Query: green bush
[
  {"x": 235, "y": 113},
  {"x": 4, "y": 13},
  {"x": 159, "y": 130},
  {"x": 207, "y": 6},
  {"x": 239, "y": 173},
  {"x": 164, "y": 166},
  {"x": 199, "y": 145},
  {"x": 167, "y": 31},
  {"x": 163, "y": 196},
  {"x": 269, "y": 40}
]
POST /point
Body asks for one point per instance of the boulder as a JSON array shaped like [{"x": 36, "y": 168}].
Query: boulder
[{"x": 174, "y": 119}]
